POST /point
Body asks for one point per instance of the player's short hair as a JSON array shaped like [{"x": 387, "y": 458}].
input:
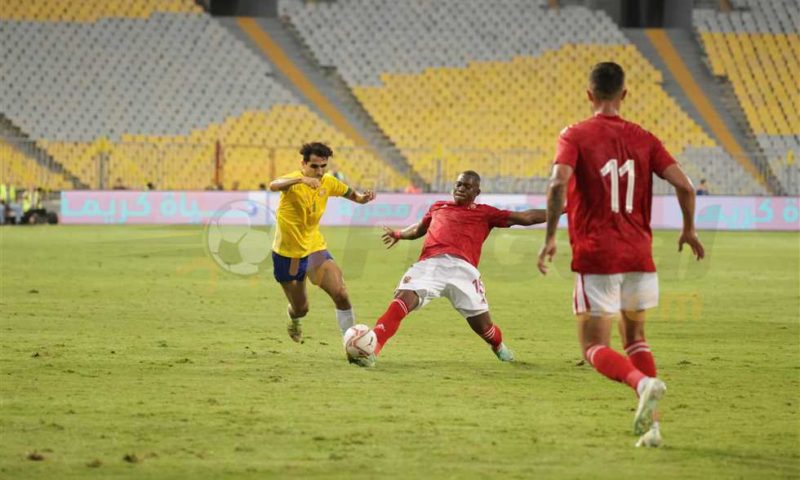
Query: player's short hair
[
  {"x": 315, "y": 148},
  {"x": 606, "y": 80},
  {"x": 473, "y": 174}
]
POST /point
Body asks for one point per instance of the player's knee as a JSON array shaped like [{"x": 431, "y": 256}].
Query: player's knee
[
  {"x": 340, "y": 296},
  {"x": 480, "y": 327},
  {"x": 409, "y": 297}
]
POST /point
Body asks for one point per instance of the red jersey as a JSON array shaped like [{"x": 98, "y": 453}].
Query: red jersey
[
  {"x": 460, "y": 230},
  {"x": 610, "y": 193}
]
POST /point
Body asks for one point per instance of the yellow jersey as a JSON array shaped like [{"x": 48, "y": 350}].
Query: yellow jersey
[{"x": 299, "y": 211}]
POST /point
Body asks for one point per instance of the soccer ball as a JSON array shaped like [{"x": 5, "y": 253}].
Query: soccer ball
[
  {"x": 360, "y": 341},
  {"x": 238, "y": 237}
]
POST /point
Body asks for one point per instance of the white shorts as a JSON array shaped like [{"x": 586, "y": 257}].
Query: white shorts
[
  {"x": 608, "y": 294},
  {"x": 450, "y": 277}
]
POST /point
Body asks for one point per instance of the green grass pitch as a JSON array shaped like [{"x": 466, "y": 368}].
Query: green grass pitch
[{"x": 126, "y": 353}]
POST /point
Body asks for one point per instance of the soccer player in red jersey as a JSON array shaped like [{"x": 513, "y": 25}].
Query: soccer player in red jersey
[
  {"x": 605, "y": 166},
  {"x": 448, "y": 264}
]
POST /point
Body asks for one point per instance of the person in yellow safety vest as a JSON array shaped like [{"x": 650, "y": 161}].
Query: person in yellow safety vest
[
  {"x": 8, "y": 195},
  {"x": 32, "y": 205},
  {"x": 32, "y": 199},
  {"x": 26, "y": 200}
]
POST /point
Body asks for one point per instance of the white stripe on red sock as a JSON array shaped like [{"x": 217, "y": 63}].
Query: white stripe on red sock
[
  {"x": 591, "y": 351},
  {"x": 402, "y": 305},
  {"x": 489, "y": 334}
]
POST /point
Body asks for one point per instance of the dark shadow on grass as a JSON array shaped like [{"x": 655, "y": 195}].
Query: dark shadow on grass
[
  {"x": 446, "y": 368},
  {"x": 776, "y": 463}
]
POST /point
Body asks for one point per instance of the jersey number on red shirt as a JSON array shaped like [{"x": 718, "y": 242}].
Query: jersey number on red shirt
[{"x": 610, "y": 168}]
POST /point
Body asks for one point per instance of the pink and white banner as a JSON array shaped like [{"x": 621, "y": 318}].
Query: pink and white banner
[
  {"x": 182, "y": 207},
  {"x": 150, "y": 207}
]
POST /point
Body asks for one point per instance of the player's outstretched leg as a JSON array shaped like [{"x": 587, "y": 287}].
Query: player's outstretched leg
[
  {"x": 491, "y": 334},
  {"x": 328, "y": 276},
  {"x": 594, "y": 333},
  {"x": 295, "y": 291},
  {"x": 386, "y": 326},
  {"x": 618, "y": 367},
  {"x": 631, "y": 327}
]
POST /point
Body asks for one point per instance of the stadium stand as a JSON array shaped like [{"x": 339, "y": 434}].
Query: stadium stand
[
  {"x": 756, "y": 46},
  {"x": 92, "y": 10},
  {"x": 144, "y": 90},
  {"x": 468, "y": 84},
  {"x": 16, "y": 168}
]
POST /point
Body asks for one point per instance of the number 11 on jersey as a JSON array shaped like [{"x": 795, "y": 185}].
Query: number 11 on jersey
[{"x": 610, "y": 168}]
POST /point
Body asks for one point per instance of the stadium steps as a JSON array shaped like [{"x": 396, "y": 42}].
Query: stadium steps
[
  {"x": 750, "y": 141},
  {"x": 670, "y": 85},
  {"x": 270, "y": 39},
  {"x": 23, "y": 144},
  {"x": 356, "y": 110},
  {"x": 687, "y": 72},
  {"x": 262, "y": 35},
  {"x": 723, "y": 98},
  {"x": 233, "y": 27}
]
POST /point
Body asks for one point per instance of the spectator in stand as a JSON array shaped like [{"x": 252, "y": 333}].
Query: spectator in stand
[
  {"x": 702, "y": 189},
  {"x": 118, "y": 185},
  {"x": 412, "y": 188}
]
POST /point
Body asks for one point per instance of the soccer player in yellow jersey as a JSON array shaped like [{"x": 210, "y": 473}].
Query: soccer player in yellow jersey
[{"x": 299, "y": 247}]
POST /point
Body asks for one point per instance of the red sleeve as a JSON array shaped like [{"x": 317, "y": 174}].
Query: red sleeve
[
  {"x": 427, "y": 218},
  {"x": 660, "y": 157},
  {"x": 567, "y": 148},
  {"x": 496, "y": 217}
]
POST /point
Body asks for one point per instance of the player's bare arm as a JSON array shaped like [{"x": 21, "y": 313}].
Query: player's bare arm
[
  {"x": 361, "y": 198},
  {"x": 390, "y": 236},
  {"x": 686, "y": 199},
  {"x": 556, "y": 194},
  {"x": 526, "y": 218},
  {"x": 283, "y": 184}
]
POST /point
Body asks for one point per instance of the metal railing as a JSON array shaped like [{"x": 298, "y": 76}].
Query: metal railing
[{"x": 102, "y": 165}]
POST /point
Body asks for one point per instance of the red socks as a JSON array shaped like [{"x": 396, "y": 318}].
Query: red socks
[
  {"x": 388, "y": 324},
  {"x": 613, "y": 365},
  {"x": 641, "y": 357},
  {"x": 493, "y": 336}
]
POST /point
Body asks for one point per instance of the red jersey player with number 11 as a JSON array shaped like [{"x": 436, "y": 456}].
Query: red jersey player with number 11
[
  {"x": 448, "y": 264},
  {"x": 605, "y": 165}
]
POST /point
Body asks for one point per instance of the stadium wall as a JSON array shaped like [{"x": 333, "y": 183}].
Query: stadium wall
[{"x": 257, "y": 207}]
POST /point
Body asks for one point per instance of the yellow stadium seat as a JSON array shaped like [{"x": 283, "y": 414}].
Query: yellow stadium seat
[
  {"x": 91, "y": 10},
  {"x": 763, "y": 71},
  {"x": 505, "y": 116}
]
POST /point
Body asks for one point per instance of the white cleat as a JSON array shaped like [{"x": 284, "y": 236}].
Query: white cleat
[
  {"x": 653, "y": 391},
  {"x": 650, "y": 439},
  {"x": 504, "y": 353}
]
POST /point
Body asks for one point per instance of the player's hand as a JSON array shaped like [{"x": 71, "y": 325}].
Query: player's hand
[
  {"x": 310, "y": 181},
  {"x": 390, "y": 237},
  {"x": 690, "y": 237},
  {"x": 367, "y": 197},
  {"x": 547, "y": 252}
]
